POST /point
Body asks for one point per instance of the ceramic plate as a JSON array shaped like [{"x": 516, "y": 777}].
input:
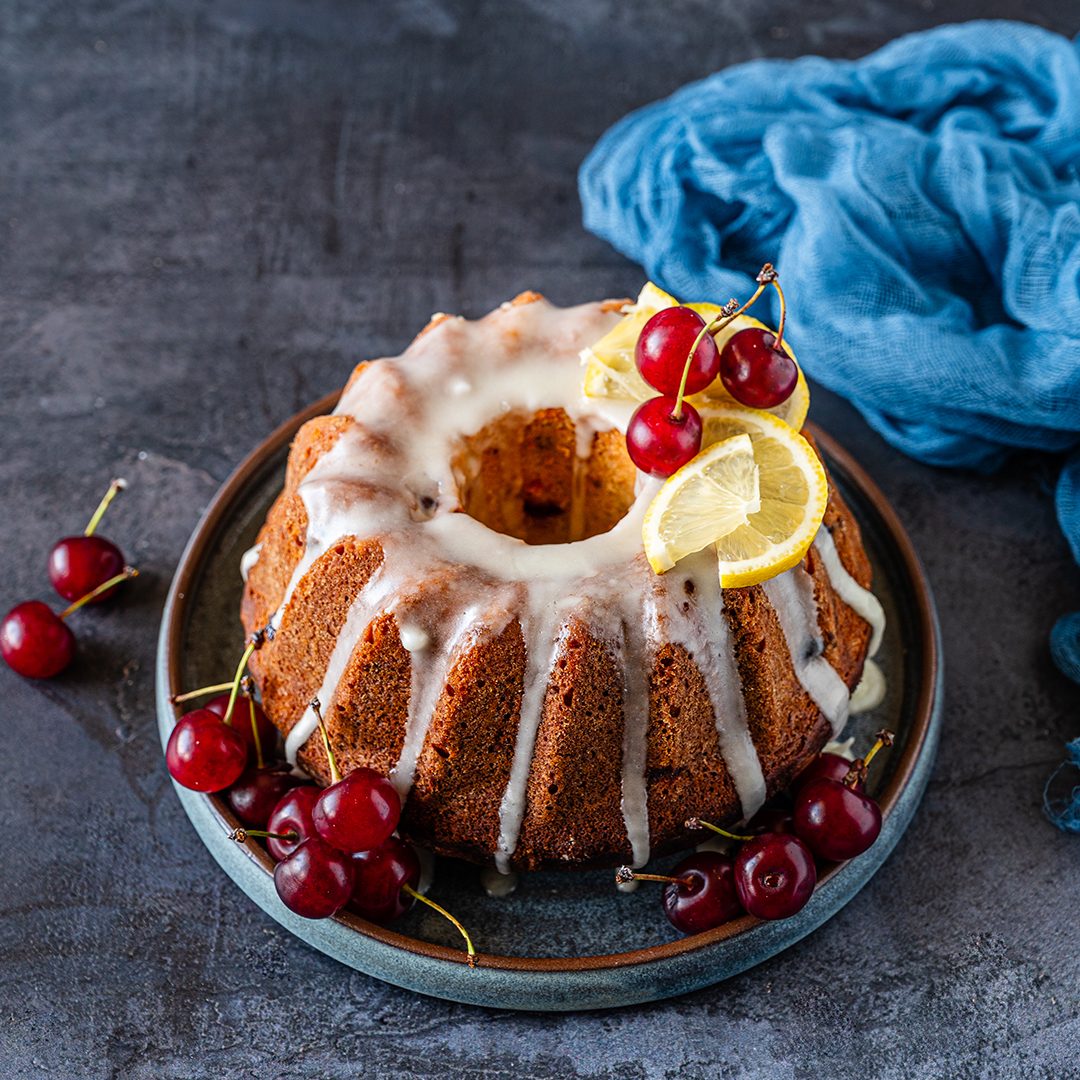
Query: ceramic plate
[{"x": 562, "y": 941}]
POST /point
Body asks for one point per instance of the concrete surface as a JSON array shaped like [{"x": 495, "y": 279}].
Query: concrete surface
[{"x": 208, "y": 211}]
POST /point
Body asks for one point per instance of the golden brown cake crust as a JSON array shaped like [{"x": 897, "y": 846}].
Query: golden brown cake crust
[{"x": 573, "y": 811}]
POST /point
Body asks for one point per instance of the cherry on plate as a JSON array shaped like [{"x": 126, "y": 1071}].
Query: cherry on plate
[
  {"x": 203, "y": 753},
  {"x": 359, "y": 812},
  {"x": 381, "y": 876},
  {"x": 774, "y": 875},
  {"x": 292, "y": 815},
  {"x": 316, "y": 880}
]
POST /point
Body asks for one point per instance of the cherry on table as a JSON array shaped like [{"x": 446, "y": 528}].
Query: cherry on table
[
  {"x": 316, "y": 880},
  {"x": 35, "y": 641},
  {"x": 662, "y": 352},
  {"x": 836, "y": 821},
  {"x": 774, "y": 875},
  {"x": 381, "y": 876},
  {"x": 658, "y": 442},
  {"x": 257, "y": 792},
  {"x": 292, "y": 815},
  {"x": 203, "y": 753},
  {"x": 79, "y": 564},
  {"x": 358, "y": 812}
]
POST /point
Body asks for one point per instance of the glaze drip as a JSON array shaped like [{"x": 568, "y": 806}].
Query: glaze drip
[{"x": 792, "y": 597}]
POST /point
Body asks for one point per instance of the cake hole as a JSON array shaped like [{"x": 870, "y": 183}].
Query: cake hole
[{"x": 521, "y": 476}]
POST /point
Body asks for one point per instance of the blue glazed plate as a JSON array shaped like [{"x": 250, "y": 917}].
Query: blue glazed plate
[{"x": 561, "y": 941}]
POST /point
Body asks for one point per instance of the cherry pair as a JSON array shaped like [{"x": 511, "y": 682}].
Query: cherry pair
[
  {"x": 773, "y": 874},
  {"x": 35, "y": 641},
  {"x": 676, "y": 353}
]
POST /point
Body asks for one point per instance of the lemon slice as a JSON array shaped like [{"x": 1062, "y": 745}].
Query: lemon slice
[
  {"x": 793, "y": 488},
  {"x": 714, "y": 494},
  {"x": 610, "y": 370}
]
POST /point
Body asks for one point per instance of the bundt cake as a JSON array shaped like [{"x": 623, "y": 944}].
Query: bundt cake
[{"x": 455, "y": 569}]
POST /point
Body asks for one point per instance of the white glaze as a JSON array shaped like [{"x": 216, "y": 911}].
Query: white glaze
[
  {"x": 842, "y": 747},
  {"x": 248, "y": 560},
  {"x": 870, "y": 692},
  {"x": 414, "y": 638},
  {"x": 497, "y": 884},
  {"x": 792, "y": 597},
  {"x": 703, "y": 631},
  {"x": 449, "y": 581},
  {"x": 862, "y": 601}
]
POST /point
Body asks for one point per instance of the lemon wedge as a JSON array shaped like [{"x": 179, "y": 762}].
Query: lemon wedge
[
  {"x": 610, "y": 370},
  {"x": 709, "y": 497},
  {"x": 793, "y": 490}
]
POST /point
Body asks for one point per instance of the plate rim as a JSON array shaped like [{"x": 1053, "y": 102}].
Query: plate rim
[{"x": 922, "y": 738}]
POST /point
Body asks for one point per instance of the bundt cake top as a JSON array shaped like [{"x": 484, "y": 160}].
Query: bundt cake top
[{"x": 462, "y": 558}]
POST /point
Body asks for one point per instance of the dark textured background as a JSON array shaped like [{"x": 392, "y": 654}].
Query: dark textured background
[{"x": 208, "y": 212}]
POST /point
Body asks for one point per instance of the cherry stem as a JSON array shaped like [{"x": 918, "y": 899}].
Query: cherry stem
[
  {"x": 115, "y": 488},
  {"x": 410, "y": 891},
  {"x": 241, "y": 835},
  {"x": 248, "y": 683},
  {"x": 177, "y": 699},
  {"x": 234, "y": 687},
  {"x": 732, "y": 309},
  {"x": 697, "y": 823},
  {"x": 859, "y": 766},
  {"x": 105, "y": 586},
  {"x": 625, "y": 874},
  {"x": 335, "y": 775},
  {"x": 783, "y": 315}
]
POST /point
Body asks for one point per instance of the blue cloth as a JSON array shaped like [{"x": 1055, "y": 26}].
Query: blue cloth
[{"x": 922, "y": 205}]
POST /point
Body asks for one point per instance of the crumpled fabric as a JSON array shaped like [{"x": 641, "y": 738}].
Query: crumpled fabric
[{"x": 922, "y": 206}]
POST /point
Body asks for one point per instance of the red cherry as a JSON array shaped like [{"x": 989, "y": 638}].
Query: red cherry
[
  {"x": 664, "y": 345},
  {"x": 35, "y": 641},
  {"x": 378, "y": 891},
  {"x": 255, "y": 795},
  {"x": 659, "y": 444},
  {"x": 836, "y": 822},
  {"x": 203, "y": 753},
  {"x": 704, "y": 896},
  {"x": 753, "y": 372},
  {"x": 292, "y": 815},
  {"x": 771, "y": 819},
  {"x": 774, "y": 875},
  {"x": 359, "y": 812},
  {"x": 826, "y": 766},
  {"x": 79, "y": 564},
  {"x": 241, "y": 720},
  {"x": 316, "y": 880}
]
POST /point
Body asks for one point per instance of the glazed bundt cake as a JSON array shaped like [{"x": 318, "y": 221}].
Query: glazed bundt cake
[{"x": 455, "y": 569}]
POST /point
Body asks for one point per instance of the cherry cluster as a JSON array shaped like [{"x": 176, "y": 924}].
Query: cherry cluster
[
  {"x": 35, "y": 641},
  {"x": 334, "y": 847},
  {"x": 676, "y": 353},
  {"x": 773, "y": 873}
]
